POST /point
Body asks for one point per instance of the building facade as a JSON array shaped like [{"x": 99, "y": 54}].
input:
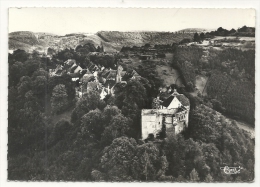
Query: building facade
[{"x": 171, "y": 116}]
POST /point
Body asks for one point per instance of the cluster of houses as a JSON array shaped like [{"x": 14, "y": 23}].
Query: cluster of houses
[{"x": 93, "y": 77}]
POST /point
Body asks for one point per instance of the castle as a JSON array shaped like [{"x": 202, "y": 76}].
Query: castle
[{"x": 170, "y": 115}]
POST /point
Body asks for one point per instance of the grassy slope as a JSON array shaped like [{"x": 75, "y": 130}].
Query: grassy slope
[{"x": 111, "y": 40}]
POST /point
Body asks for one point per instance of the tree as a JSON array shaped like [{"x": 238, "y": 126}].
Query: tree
[
  {"x": 196, "y": 37},
  {"x": 97, "y": 175},
  {"x": 174, "y": 146},
  {"x": 146, "y": 161},
  {"x": 194, "y": 176},
  {"x": 232, "y": 31},
  {"x": 209, "y": 178},
  {"x": 20, "y": 55},
  {"x": 91, "y": 124},
  {"x": 202, "y": 36},
  {"x": 164, "y": 164},
  {"x": 61, "y": 130},
  {"x": 32, "y": 65},
  {"x": 59, "y": 99},
  {"x": 40, "y": 72},
  {"x": 16, "y": 71},
  {"x": 135, "y": 92},
  {"x": 109, "y": 112},
  {"x": 39, "y": 86},
  {"x": 24, "y": 85},
  {"x": 117, "y": 159},
  {"x": 90, "y": 101},
  {"x": 65, "y": 80},
  {"x": 119, "y": 126}
]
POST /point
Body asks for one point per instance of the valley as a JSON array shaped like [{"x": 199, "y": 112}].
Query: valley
[{"x": 131, "y": 106}]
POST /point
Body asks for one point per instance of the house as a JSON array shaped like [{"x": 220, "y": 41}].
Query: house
[
  {"x": 135, "y": 75},
  {"x": 70, "y": 62},
  {"x": 87, "y": 77},
  {"x": 74, "y": 76},
  {"x": 170, "y": 115},
  {"x": 92, "y": 67},
  {"x": 77, "y": 69}
]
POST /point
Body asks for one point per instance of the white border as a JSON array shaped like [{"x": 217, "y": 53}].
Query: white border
[{"x": 111, "y": 3}]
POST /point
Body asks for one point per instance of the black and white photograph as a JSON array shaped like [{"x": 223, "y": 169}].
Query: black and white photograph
[{"x": 131, "y": 95}]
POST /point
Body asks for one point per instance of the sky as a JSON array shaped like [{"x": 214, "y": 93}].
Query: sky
[{"x": 90, "y": 20}]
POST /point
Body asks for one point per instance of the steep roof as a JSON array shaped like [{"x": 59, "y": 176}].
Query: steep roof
[
  {"x": 59, "y": 72},
  {"x": 182, "y": 98},
  {"x": 73, "y": 69},
  {"x": 168, "y": 101},
  {"x": 134, "y": 73}
]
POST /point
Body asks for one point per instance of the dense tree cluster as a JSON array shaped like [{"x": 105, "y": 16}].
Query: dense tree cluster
[
  {"x": 106, "y": 60},
  {"x": 100, "y": 141},
  {"x": 243, "y": 31},
  {"x": 232, "y": 82},
  {"x": 186, "y": 60},
  {"x": 231, "y": 72},
  {"x": 148, "y": 71},
  {"x": 31, "y": 91},
  {"x": 83, "y": 54},
  {"x": 237, "y": 63},
  {"x": 235, "y": 96}
]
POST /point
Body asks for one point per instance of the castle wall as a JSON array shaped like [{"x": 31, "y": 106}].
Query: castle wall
[
  {"x": 152, "y": 121},
  {"x": 150, "y": 124}
]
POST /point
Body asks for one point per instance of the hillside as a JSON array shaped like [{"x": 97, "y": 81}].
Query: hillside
[
  {"x": 194, "y": 30},
  {"x": 22, "y": 40},
  {"x": 111, "y": 40},
  {"x": 140, "y": 38}
]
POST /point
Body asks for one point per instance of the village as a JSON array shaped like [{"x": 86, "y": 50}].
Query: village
[
  {"x": 94, "y": 77},
  {"x": 168, "y": 116}
]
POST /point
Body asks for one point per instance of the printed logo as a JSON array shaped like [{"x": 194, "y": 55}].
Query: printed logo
[{"x": 231, "y": 170}]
